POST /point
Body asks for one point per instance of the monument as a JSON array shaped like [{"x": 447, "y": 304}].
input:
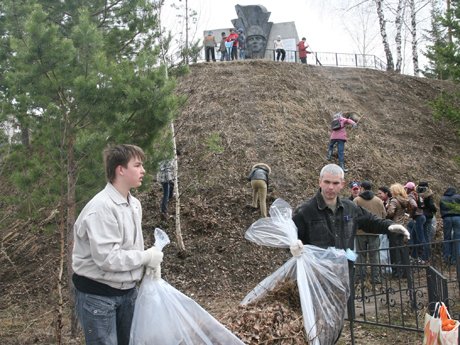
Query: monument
[
  {"x": 260, "y": 33},
  {"x": 253, "y": 19}
]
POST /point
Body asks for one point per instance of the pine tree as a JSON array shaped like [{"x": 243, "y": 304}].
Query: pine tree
[
  {"x": 445, "y": 61},
  {"x": 78, "y": 76},
  {"x": 437, "y": 36}
]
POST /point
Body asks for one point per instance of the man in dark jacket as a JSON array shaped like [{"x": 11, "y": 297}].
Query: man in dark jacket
[
  {"x": 329, "y": 221},
  {"x": 450, "y": 213},
  {"x": 326, "y": 220}
]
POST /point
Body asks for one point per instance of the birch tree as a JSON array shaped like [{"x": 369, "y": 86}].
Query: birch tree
[
  {"x": 413, "y": 30},
  {"x": 399, "y": 24},
  {"x": 383, "y": 33}
]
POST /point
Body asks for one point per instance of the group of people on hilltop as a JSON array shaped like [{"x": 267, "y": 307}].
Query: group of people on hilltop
[
  {"x": 411, "y": 205},
  {"x": 233, "y": 47}
]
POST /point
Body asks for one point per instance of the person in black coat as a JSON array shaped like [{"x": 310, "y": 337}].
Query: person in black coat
[
  {"x": 326, "y": 220},
  {"x": 450, "y": 213}
]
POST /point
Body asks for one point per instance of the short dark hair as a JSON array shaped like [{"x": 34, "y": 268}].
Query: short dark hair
[
  {"x": 120, "y": 155},
  {"x": 386, "y": 190},
  {"x": 366, "y": 185}
]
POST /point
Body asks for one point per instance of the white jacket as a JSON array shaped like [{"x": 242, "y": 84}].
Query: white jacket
[{"x": 108, "y": 243}]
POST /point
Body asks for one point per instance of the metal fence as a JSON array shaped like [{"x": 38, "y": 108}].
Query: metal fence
[
  {"x": 400, "y": 301},
  {"x": 330, "y": 59}
]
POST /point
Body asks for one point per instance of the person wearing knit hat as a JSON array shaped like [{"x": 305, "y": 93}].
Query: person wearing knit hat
[
  {"x": 355, "y": 188},
  {"x": 409, "y": 186},
  {"x": 259, "y": 183}
]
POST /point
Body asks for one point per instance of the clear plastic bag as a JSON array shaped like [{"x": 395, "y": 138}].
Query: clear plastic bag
[
  {"x": 164, "y": 315},
  {"x": 321, "y": 275}
]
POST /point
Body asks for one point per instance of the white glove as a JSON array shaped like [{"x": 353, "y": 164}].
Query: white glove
[
  {"x": 154, "y": 272},
  {"x": 399, "y": 229},
  {"x": 154, "y": 257},
  {"x": 296, "y": 248}
]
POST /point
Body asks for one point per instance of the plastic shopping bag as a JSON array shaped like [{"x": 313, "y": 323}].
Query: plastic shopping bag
[
  {"x": 321, "y": 275},
  {"x": 165, "y": 316},
  {"x": 432, "y": 327},
  {"x": 449, "y": 327}
]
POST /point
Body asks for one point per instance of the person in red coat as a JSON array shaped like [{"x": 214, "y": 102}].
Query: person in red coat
[
  {"x": 302, "y": 46},
  {"x": 233, "y": 37}
]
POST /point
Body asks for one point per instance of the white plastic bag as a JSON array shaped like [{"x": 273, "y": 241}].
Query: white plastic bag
[
  {"x": 321, "y": 275},
  {"x": 165, "y": 316}
]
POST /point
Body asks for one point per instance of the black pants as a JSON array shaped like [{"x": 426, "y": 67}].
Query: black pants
[
  {"x": 168, "y": 192},
  {"x": 280, "y": 52},
  {"x": 234, "y": 53},
  {"x": 210, "y": 54}
]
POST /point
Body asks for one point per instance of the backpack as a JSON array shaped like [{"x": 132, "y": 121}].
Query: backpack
[{"x": 335, "y": 124}]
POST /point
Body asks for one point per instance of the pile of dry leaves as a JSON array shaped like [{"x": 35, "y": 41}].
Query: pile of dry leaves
[{"x": 277, "y": 319}]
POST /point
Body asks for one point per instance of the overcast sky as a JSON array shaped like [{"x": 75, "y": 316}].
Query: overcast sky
[
  {"x": 326, "y": 24},
  {"x": 314, "y": 19}
]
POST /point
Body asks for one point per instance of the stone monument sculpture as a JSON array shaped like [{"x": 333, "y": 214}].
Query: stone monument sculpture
[{"x": 253, "y": 19}]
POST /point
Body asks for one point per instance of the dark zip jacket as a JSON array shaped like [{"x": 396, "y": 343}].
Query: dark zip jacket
[
  {"x": 319, "y": 226},
  {"x": 450, "y": 197}
]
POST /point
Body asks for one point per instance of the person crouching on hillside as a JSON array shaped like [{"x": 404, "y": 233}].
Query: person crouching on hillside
[
  {"x": 339, "y": 137},
  {"x": 259, "y": 183}
]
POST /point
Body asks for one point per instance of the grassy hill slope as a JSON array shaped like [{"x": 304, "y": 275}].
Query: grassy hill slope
[{"x": 238, "y": 114}]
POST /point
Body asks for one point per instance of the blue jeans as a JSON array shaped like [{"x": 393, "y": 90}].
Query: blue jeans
[
  {"x": 340, "y": 149},
  {"x": 168, "y": 191},
  {"x": 242, "y": 54},
  {"x": 451, "y": 250},
  {"x": 105, "y": 320},
  {"x": 418, "y": 237}
]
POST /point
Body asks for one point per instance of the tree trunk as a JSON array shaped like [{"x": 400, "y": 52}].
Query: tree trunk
[
  {"x": 59, "y": 324},
  {"x": 71, "y": 212},
  {"x": 25, "y": 137},
  {"x": 413, "y": 23},
  {"x": 386, "y": 46},
  {"x": 449, "y": 28},
  {"x": 398, "y": 23},
  {"x": 180, "y": 241}
]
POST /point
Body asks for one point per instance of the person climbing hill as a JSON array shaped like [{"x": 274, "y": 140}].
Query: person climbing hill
[{"x": 339, "y": 136}]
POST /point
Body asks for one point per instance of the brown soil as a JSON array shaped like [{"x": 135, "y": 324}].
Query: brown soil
[{"x": 238, "y": 114}]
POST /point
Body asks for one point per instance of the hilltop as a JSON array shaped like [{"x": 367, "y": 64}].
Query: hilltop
[{"x": 237, "y": 114}]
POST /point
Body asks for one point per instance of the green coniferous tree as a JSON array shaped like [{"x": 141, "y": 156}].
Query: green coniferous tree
[
  {"x": 445, "y": 61},
  {"x": 437, "y": 67},
  {"x": 77, "y": 76}
]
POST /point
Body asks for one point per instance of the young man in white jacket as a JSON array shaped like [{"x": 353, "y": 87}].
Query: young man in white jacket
[{"x": 108, "y": 255}]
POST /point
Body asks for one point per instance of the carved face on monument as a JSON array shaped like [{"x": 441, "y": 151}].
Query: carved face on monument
[{"x": 256, "y": 43}]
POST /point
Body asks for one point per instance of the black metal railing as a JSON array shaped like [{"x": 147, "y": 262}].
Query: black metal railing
[{"x": 401, "y": 300}]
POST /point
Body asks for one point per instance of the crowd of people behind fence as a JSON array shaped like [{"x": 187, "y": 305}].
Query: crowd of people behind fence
[{"x": 413, "y": 206}]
